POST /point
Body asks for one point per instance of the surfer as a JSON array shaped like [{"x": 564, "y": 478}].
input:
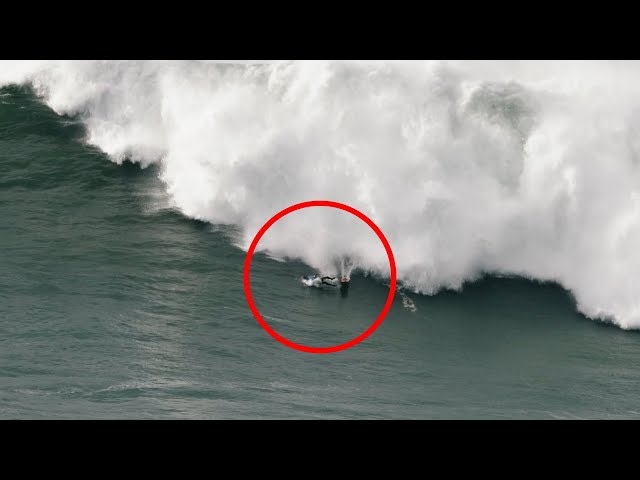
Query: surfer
[
  {"x": 317, "y": 280},
  {"x": 324, "y": 280},
  {"x": 344, "y": 286}
]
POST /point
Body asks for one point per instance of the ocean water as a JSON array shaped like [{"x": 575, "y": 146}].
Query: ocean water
[{"x": 130, "y": 192}]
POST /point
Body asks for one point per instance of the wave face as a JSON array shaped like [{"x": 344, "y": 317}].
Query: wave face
[{"x": 525, "y": 168}]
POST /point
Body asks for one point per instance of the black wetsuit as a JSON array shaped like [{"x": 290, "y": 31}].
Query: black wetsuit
[{"x": 327, "y": 283}]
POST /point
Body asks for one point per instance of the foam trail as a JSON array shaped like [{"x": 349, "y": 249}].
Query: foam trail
[
  {"x": 407, "y": 302},
  {"x": 528, "y": 168}
]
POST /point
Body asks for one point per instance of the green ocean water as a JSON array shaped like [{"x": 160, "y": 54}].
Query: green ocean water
[{"x": 113, "y": 305}]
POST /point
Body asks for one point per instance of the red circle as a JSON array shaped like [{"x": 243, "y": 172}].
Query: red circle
[{"x": 363, "y": 335}]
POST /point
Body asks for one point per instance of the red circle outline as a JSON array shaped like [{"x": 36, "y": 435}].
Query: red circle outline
[{"x": 247, "y": 271}]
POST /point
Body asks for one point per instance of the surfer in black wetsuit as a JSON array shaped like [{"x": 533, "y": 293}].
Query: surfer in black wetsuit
[
  {"x": 324, "y": 280},
  {"x": 344, "y": 286}
]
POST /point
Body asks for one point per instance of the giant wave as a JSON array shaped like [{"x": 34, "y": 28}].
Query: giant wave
[{"x": 524, "y": 168}]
